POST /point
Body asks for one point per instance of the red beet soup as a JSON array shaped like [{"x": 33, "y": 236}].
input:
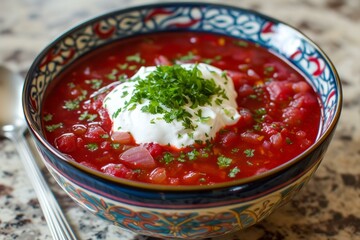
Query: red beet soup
[{"x": 278, "y": 112}]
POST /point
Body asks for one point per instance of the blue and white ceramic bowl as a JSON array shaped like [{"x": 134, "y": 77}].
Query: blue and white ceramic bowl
[{"x": 196, "y": 211}]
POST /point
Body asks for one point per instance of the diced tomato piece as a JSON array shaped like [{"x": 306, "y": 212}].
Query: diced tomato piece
[
  {"x": 280, "y": 91},
  {"x": 66, "y": 142},
  {"x": 251, "y": 137},
  {"x": 229, "y": 139},
  {"x": 277, "y": 140},
  {"x": 281, "y": 72},
  {"x": 80, "y": 142},
  {"x": 95, "y": 133},
  {"x": 293, "y": 115},
  {"x": 118, "y": 170},
  {"x": 301, "y": 87},
  {"x": 246, "y": 118},
  {"x": 245, "y": 90},
  {"x": 158, "y": 175},
  {"x": 272, "y": 128},
  {"x": 155, "y": 149},
  {"x": 105, "y": 119},
  {"x": 303, "y": 100}
]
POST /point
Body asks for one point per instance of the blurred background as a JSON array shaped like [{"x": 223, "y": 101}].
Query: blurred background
[{"x": 329, "y": 206}]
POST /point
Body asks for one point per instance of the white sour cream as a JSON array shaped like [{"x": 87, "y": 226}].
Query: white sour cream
[{"x": 146, "y": 127}]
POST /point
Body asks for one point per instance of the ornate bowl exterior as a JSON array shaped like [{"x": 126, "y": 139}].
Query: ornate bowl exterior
[{"x": 188, "y": 213}]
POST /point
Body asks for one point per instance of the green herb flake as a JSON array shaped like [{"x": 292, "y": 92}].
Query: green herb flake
[
  {"x": 269, "y": 69},
  {"x": 112, "y": 75},
  {"x": 235, "y": 150},
  {"x": 252, "y": 96},
  {"x": 105, "y": 136},
  {"x": 116, "y": 114},
  {"x": 95, "y": 83},
  {"x": 224, "y": 162},
  {"x": 288, "y": 141},
  {"x": 72, "y": 104},
  {"x": 174, "y": 88},
  {"x": 115, "y": 145},
  {"x": 260, "y": 111},
  {"x": 168, "y": 158},
  {"x": 202, "y": 180},
  {"x": 53, "y": 127},
  {"x": 87, "y": 116},
  {"x": 188, "y": 57},
  {"x": 92, "y": 147},
  {"x": 257, "y": 127},
  {"x": 48, "y": 117},
  {"x": 249, "y": 152},
  {"x": 123, "y": 66},
  {"x": 241, "y": 43},
  {"x": 132, "y": 67},
  {"x": 71, "y": 85},
  {"x": 192, "y": 155},
  {"x": 122, "y": 78},
  {"x": 135, "y": 58},
  {"x": 233, "y": 172}
]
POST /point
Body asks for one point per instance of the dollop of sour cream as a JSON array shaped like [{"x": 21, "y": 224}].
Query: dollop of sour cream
[{"x": 146, "y": 127}]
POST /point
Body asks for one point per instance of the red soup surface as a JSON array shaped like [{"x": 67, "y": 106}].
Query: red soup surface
[{"x": 279, "y": 111}]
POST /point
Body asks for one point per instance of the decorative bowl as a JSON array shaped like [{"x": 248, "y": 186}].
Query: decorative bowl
[{"x": 189, "y": 212}]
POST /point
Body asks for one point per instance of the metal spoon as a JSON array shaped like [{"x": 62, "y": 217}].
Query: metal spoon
[{"x": 13, "y": 126}]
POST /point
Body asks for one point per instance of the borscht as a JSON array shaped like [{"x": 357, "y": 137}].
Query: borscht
[{"x": 181, "y": 108}]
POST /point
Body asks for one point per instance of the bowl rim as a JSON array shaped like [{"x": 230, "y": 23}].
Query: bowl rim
[{"x": 180, "y": 188}]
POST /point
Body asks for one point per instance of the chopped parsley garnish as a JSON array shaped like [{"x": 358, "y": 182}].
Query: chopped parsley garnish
[
  {"x": 135, "y": 58},
  {"x": 223, "y": 161},
  {"x": 87, "y": 116},
  {"x": 170, "y": 88},
  {"x": 257, "y": 127},
  {"x": 188, "y": 57},
  {"x": 249, "y": 152},
  {"x": 115, "y": 145},
  {"x": 269, "y": 70},
  {"x": 48, "y": 117},
  {"x": 75, "y": 103},
  {"x": 233, "y": 172},
  {"x": 112, "y": 75},
  {"x": 71, "y": 85},
  {"x": 72, "y": 104},
  {"x": 92, "y": 147},
  {"x": 260, "y": 111},
  {"x": 235, "y": 150},
  {"x": 95, "y": 83},
  {"x": 241, "y": 43},
  {"x": 168, "y": 158},
  {"x": 123, "y": 66},
  {"x": 104, "y": 136},
  {"x": 192, "y": 155},
  {"x": 53, "y": 127}
]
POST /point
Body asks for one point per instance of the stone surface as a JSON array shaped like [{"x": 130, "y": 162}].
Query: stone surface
[{"x": 327, "y": 208}]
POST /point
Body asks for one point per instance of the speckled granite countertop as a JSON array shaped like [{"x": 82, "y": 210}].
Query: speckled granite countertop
[{"x": 327, "y": 208}]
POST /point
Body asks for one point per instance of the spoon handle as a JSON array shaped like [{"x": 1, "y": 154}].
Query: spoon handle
[{"x": 59, "y": 227}]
